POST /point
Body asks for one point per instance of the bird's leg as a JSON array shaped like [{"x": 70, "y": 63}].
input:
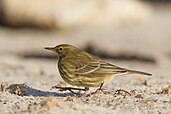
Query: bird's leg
[
  {"x": 92, "y": 93},
  {"x": 69, "y": 88},
  {"x": 80, "y": 89},
  {"x": 100, "y": 88}
]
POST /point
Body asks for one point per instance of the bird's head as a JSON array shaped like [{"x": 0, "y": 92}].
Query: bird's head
[{"x": 63, "y": 50}]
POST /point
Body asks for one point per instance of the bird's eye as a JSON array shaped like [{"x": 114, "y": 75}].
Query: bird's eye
[{"x": 60, "y": 49}]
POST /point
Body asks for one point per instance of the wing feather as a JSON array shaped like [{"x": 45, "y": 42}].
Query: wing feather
[
  {"x": 93, "y": 66},
  {"x": 100, "y": 68}
]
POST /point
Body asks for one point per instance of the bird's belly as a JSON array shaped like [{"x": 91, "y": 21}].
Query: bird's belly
[{"x": 86, "y": 81}]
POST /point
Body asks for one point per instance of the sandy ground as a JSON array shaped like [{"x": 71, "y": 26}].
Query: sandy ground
[{"x": 27, "y": 71}]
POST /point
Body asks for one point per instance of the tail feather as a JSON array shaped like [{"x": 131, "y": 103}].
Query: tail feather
[{"x": 138, "y": 72}]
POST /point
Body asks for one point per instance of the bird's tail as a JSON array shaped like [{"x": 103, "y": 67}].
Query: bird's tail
[{"x": 138, "y": 72}]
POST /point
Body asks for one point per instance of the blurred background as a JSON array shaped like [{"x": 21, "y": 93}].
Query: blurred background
[{"x": 131, "y": 33}]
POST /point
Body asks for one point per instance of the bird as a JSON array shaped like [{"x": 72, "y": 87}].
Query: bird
[{"x": 81, "y": 69}]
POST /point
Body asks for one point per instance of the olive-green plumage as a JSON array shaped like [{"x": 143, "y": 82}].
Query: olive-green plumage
[{"x": 81, "y": 69}]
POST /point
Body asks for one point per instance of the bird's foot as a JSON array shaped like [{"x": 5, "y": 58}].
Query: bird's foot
[
  {"x": 68, "y": 88},
  {"x": 101, "y": 90}
]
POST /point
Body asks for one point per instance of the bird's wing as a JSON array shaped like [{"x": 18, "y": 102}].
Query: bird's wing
[
  {"x": 106, "y": 68},
  {"x": 89, "y": 68},
  {"x": 100, "y": 68}
]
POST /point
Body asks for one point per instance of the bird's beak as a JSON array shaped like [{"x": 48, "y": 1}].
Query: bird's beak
[{"x": 50, "y": 48}]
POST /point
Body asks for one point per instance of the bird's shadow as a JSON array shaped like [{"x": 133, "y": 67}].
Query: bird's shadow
[{"x": 25, "y": 90}]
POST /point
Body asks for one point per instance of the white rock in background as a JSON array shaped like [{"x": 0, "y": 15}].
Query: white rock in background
[{"x": 74, "y": 13}]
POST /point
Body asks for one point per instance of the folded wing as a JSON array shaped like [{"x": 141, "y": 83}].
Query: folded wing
[{"x": 100, "y": 68}]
